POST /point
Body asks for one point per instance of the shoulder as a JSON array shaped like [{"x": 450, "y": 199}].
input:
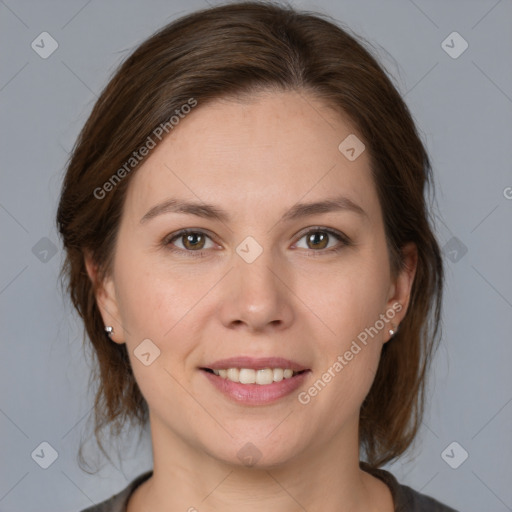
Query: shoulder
[
  {"x": 405, "y": 498},
  {"x": 119, "y": 501},
  {"x": 413, "y": 501}
]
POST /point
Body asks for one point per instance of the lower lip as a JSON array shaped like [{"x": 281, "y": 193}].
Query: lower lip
[{"x": 256, "y": 394}]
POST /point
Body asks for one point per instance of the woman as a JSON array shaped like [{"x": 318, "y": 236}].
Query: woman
[{"x": 249, "y": 247}]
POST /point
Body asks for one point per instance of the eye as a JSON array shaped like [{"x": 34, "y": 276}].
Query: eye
[
  {"x": 190, "y": 241},
  {"x": 323, "y": 239},
  {"x": 195, "y": 242}
]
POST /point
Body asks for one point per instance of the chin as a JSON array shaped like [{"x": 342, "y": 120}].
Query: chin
[{"x": 257, "y": 451}]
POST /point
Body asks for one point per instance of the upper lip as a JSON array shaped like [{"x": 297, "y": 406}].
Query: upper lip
[{"x": 259, "y": 363}]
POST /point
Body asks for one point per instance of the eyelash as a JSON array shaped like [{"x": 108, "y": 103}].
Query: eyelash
[{"x": 345, "y": 242}]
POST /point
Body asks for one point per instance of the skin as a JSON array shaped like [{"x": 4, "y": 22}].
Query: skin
[{"x": 255, "y": 159}]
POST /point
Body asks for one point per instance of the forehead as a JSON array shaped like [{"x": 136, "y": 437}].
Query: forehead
[{"x": 274, "y": 148}]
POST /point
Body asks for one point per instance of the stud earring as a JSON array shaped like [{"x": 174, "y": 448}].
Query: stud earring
[
  {"x": 392, "y": 331},
  {"x": 109, "y": 330}
]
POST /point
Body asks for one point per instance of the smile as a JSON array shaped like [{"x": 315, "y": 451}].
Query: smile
[{"x": 255, "y": 381}]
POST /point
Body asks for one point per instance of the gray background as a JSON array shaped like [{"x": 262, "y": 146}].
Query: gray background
[{"x": 463, "y": 107}]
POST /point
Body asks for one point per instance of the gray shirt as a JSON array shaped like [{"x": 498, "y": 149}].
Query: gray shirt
[{"x": 405, "y": 498}]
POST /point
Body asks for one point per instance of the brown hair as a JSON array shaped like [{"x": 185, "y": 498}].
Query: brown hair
[{"x": 232, "y": 51}]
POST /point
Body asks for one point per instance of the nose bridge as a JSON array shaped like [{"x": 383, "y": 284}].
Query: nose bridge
[
  {"x": 256, "y": 273},
  {"x": 259, "y": 297},
  {"x": 259, "y": 276}
]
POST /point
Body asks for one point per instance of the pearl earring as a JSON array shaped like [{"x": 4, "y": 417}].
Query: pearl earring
[
  {"x": 109, "y": 330},
  {"x": 393, "y": 330}
]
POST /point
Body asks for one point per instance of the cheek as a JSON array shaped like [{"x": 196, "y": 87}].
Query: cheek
[
  {"x": 344, "y": 377},
  {"x": 153, "y": 298},
  {"x": 346, "y": 300},
  {"x": 156, "y": 304},
  {"x": 162, "y": 303},
  {"x": 348, "y": 303}
]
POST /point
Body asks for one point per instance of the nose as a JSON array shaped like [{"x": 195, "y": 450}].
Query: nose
[{"x": 256, "y": 296}]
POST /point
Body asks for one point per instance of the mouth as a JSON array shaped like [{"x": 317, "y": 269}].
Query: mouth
[{"x": 255, "y": 381}]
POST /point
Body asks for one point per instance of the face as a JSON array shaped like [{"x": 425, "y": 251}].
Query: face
[{"x": 261, "y": 281}]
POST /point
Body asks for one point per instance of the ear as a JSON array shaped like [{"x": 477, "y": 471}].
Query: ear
[
  {"x": 106, "y": 299},
  {"x": 400, "y": 289}
]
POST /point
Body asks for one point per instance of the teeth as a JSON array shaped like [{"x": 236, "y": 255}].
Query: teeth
[
  {"x": 250, "y": 376},
  {"x": 247, "y": 376},
  {"x": 233, "y": 374},
  {"x": 278, "y": 374},
  {"x": 265, "y": 376}
]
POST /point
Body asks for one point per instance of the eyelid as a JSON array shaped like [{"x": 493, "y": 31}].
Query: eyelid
[
  {"x": 341, "y": 237},
  {"x": 331, "y": 231}
]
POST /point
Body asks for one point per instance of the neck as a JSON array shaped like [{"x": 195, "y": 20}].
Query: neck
[{"x": 186, "y": 478}]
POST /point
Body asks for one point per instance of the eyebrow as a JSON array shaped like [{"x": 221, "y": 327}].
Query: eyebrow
[{"x": 209, "y": 211}]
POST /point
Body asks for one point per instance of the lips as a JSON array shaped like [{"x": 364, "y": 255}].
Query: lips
[{"x": 256, "y": 381}]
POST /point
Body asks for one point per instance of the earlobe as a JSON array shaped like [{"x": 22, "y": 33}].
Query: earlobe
[{"x": 106, "y": 300}]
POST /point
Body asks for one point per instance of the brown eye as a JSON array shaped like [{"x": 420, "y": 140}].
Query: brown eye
[
  {"x": 317, "y": 240},
  {"x": 193, "y": 241},
  {"x": 323, "y": 240},
  {"x": 190, "y": 241}
]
